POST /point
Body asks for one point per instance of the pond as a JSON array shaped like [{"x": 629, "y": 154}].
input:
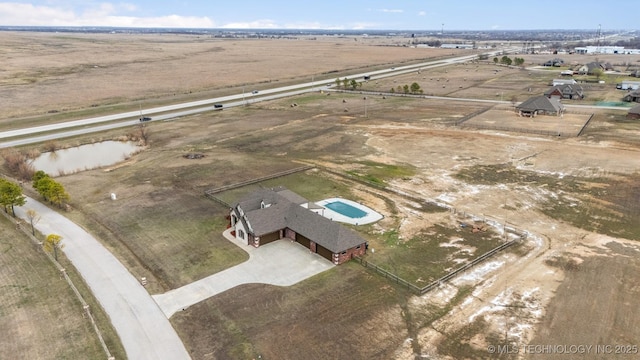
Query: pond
[{"x": 85, "y": 157}]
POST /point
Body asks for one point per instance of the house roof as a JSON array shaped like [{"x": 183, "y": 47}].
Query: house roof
[
  {"x": 635, "y": 110},
  {"x": 565, "y": 89},
  {"x": 632, "y": 94},
  {"x": 269, "y": 210},
  {"x": 541, "y": 102}
]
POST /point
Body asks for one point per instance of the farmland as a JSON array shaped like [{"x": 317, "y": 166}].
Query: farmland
[{"x": 571, "y": 193}]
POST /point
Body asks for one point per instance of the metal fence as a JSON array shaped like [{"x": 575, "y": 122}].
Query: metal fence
[
  {"x": 436, "y": 283},
  {"x": 210, "y": 193}
]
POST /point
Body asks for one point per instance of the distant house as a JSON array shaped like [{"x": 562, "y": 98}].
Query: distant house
[
  {"x": 633, "y": 96},
  {"x": 268, "y": 215},
  {"x": 634, "y": 113},
  {"x": 590, "y": 68},
  {"x": 565, "y": 91},
  {"x": 554, "y": 62},
  {"x": 635, "y": 73},
  {"x": 540, "y": 105}
]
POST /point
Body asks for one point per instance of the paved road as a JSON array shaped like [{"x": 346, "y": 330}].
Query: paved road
[
  {"x": 282, "y": 263},
  {"x": 143, "y": 328}
]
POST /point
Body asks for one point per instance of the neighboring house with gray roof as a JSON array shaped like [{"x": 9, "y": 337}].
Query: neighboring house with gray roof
[
  {"x": 565, "y": 91},
  {"x": 634, "y": 113},
  {"x": 540, "y": 105},
  {"x": 632, "y": 96},
  {"x": 267, "y": 215},
  {"x": 590, "y": 68}
]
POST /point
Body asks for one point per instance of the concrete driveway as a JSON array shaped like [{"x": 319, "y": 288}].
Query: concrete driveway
[
  {"x": 283, "y": 263},
  {"x": 144, "y": 330}
]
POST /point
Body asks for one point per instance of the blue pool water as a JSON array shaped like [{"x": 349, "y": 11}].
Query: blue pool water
[{"x": 346, "y": 209}]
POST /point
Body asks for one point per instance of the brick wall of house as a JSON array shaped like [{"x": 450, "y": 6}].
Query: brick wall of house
[{"x": 347, "y": 255}]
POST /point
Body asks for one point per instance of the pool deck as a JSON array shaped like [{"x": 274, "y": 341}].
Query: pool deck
[{"x": 372, "y": 215}]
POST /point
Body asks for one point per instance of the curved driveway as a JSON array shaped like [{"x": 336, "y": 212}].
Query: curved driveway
[
  {"x": 144, "y": 330},
  {"x": 281, "y": 263}
]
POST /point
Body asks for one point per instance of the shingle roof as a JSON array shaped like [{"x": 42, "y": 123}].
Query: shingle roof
[
  {"x": 565, "y": 89},
  {"x": 281, "y": 212},
  {"x": 541, "y": 103},
  {"x": 635, "y": 110}
]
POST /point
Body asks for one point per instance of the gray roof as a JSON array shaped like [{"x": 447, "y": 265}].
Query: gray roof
[
  {"x": 634, "y": 110},
  {"x": 542, "y": 102},
  {"x": 281, "y": 212},
  {"x": 572, "y": 89}
]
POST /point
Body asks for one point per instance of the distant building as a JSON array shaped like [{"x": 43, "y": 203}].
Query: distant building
[
  {"x": 556, "y": 82},
  {"x": 540, "y": 105},
  {"x": 606, "y": 50},
  {"x": 590, "y": 68},
  {"x": 557, "y": 62},
  {"x": 628, "y": 85},
  {"x": 457, "y": 46}
]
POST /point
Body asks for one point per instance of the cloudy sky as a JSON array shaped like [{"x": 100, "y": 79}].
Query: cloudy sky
[{"x": 327, "y": 14}]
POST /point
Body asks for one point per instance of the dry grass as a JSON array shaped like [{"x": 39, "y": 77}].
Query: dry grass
[{"x": 41, "y": 316}]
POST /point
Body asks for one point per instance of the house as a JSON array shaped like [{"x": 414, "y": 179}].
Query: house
[
  {"x": 554, "y": 62},
  {"x": 590, "y": 68},
  {"x": 268, "y": 215},
  {"x": 633, "y": 96},
  {"x": 565, "y": 91},
  {"x": 634, "y": 113},
  {"x": 540, "y": 105}
]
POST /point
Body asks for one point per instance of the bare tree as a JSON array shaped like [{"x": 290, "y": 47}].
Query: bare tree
[{"x": 33, "y": 218}]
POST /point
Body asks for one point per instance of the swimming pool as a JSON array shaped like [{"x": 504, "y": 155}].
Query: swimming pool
[{"x": 346, "y": 209}]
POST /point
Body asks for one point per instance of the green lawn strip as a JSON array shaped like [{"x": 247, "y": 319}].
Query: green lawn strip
[{"x": 422, "y": 259}]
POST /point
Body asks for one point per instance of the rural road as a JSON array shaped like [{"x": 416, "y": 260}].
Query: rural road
[
  {"x": 143, "y": 328},
  {"x": 296, "y": 264}
]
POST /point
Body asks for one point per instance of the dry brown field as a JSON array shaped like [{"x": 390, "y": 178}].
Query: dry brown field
[
  {"x": 41, "y": 316},
  {"x": 573, "y": 194}
]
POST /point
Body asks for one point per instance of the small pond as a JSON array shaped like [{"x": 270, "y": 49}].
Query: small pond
[{"x": 84, "y": 157}]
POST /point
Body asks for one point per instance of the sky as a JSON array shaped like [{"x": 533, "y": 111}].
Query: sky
[{"x": 327, "y": 14}]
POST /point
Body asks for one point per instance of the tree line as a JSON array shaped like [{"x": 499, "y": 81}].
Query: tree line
[
  {"x": 50, "y": 190},
  {"x": 505, "y": 60},
  {"x": 11, "y": 194}
]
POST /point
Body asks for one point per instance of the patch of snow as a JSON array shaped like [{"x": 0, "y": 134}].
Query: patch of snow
[{"x": 478, "y": 272}]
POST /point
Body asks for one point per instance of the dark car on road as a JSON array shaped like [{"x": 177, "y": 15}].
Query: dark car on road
[{"x": 145, "y": 118}]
